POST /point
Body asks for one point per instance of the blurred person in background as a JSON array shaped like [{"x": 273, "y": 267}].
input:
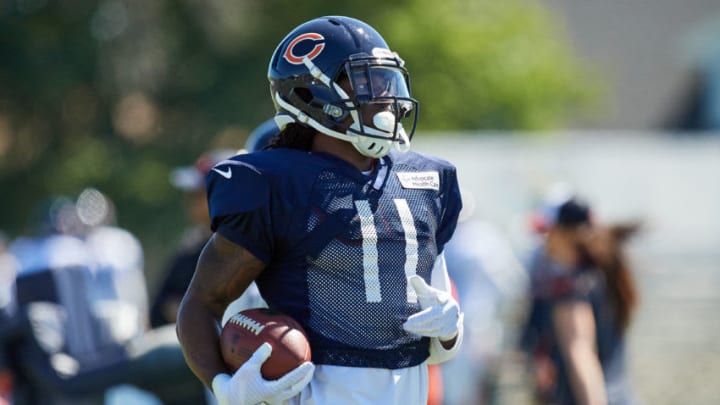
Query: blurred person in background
[
  {"x": 119, "y": 297},
  {"x": 65, "y": 334},
  {"x": 489, "y": 280},
  {"x": 77, "y": 326},
  {"x": 582, "y": 300},
  {"x": 119, "y": 292},
  {"x": 262, "y": 136}
]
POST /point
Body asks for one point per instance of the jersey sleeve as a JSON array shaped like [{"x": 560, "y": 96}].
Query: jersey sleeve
[
  {"x": 451, "y": 205},
  {"x": 239, "y": 207}
]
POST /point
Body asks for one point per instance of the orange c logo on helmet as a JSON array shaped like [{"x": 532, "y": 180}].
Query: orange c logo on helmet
[{"x": 295, "y": 59}]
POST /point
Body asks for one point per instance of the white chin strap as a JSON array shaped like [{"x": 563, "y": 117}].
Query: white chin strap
[{"x": 383, "y": 121}]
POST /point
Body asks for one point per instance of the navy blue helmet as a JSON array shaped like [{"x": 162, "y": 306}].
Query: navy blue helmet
[
  {"x": 306, "y": 72},
  {"x": 261, "y": 136}
]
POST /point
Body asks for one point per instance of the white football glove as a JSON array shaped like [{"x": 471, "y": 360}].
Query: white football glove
[
  {"x": 248, "y": 387},
  {"x": 440, "y": 316}
]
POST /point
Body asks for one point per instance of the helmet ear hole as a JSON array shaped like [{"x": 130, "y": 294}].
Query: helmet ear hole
[{"x": 303, "y": 93}]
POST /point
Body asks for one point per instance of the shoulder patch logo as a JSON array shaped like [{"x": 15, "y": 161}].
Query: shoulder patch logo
[
  {"x": 306, "y": 49},
  {"x": 420, "y": 180}
]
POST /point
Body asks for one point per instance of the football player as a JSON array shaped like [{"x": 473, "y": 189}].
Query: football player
[{"x": 341, "y": 226}]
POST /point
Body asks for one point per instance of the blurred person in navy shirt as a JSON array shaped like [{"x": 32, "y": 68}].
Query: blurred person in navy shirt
[
  {"x": 65, "y": 333},
  {"x": 489, "y": 280},
  {"x": 582, "y": 300},
  {"x": 77, "y": 323}
]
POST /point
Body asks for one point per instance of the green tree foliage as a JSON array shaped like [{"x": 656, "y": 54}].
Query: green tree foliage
[
  {"x": 114, "y": 93},
  {"x": 488, "y": 65}
]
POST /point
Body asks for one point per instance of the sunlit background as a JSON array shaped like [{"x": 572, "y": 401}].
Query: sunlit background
[{"x": 621, "y": 99}]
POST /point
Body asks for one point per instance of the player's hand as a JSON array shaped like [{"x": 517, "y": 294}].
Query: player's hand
[
  {"x": 248, "y": 387},
  {"x": 440, "y": 316}
]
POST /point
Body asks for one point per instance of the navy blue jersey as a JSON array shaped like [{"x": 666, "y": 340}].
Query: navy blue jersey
[
  {"x": 339, "y": 244},
  {"x": 552, "y": 285},
  {"x": 588, "y": 285}
]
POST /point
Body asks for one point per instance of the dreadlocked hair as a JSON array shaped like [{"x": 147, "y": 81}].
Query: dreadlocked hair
[{"x": 294, "y": 136}]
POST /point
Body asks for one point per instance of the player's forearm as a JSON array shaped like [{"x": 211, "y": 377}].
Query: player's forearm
[
  {"x": 197, "y": 330},
  {"x": 223, "y": 272}
]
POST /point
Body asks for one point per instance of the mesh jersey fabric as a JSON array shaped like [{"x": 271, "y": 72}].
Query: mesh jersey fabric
[{"x": 339, "y": 245}]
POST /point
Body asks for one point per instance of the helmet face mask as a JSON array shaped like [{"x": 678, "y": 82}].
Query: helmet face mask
[
  {"x": 374, "y": 78},
  {"x": 337, "y": 75}
]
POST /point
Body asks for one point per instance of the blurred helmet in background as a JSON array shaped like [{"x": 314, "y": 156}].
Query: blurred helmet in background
[
  {"x": 192, "y": 178},
  {"x": 261, "y": 136}
]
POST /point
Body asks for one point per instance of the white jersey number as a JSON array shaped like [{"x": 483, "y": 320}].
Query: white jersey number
[{"x": 370, "y": 253}]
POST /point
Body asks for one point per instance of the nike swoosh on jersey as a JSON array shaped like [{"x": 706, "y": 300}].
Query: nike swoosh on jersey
[{"x": 227, "y": 174}]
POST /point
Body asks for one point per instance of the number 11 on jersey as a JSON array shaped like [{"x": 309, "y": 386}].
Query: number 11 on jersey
[{"x": 371, "y": 270}]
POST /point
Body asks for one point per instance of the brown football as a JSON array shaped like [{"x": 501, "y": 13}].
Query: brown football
[{"x": 245, "y": 331}]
